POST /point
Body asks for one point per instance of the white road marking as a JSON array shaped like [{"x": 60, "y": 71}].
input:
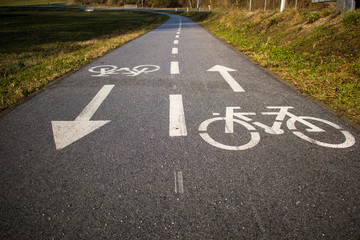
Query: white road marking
[
  {"x": 175, "y": 51},
  {"x": 224, "y": 71},
  {"x": 67, "y": 132},
  {"x": 178, "y": 32},
  {"x": 176, "y": 42},
  {"x": 349, "y": 138},
  {"x": 179, "y": 182},
  {"x": 107, "y": 70},
  {"x": 91, "y": 108},
  {"x": 177, "y": 125},
  {"x": 254, "y": 136},
  {"x": 174, "y": 68},
  {"x": 175, "y": 178},
  {"x": 177, "y": 36}
]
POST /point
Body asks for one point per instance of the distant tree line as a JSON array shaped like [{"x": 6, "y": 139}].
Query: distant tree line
[
  {"x": 146, "y": 3},
  {"x": 224, "y": 4}
]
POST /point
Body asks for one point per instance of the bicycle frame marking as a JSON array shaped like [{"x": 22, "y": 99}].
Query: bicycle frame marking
[
  {"x": 233, "y": 116},
  {"x": 107, "y": 70},
  {"x": 276, "y": 127}
]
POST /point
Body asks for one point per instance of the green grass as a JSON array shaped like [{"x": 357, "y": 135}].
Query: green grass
[
  {"x": 28, "y": 2},
  {"x": 318, "y": 52},
  {"x": 40, "y": 45}
]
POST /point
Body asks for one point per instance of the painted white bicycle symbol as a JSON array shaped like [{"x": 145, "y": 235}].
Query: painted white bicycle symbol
[
  {"x": 347, "y": 139},
  {"x": 106, "y": 70}
]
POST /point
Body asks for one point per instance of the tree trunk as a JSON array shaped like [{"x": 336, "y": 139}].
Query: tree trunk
[{"x": 190, "y": 3}]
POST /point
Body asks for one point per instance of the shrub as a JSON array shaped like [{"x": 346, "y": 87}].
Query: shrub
[
  {"x": 351, "y": 18},
  {"x": 313, "y": 17}
]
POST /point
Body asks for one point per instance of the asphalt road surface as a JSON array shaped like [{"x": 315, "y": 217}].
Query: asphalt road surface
[{"x": 177, "y": 135}]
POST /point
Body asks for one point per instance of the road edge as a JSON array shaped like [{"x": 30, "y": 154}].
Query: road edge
[
  {"x": 288, "y": 84},
  {"x": 60, "y": 78}
]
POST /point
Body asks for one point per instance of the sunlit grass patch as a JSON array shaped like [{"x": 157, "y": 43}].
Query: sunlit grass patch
[
  {"x": 40, "y": 45},
  {"x": 318, "y": 52},
  {"x": 28, "y": 2}
]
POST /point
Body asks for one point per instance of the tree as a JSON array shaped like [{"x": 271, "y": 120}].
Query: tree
[{"x": 189, "y": 3}]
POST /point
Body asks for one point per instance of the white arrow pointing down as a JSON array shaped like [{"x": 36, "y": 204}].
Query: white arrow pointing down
[{"x": 67, "y": 132}]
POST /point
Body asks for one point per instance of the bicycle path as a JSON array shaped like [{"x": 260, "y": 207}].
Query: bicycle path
[{"x": 117, "y": 150}]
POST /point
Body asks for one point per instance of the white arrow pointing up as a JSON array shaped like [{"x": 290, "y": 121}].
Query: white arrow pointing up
[
  {"x": 67, "y": 132},
  {"x": 224, "y": 71}
]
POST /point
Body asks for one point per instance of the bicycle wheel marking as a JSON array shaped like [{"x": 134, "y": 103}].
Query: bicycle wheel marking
[
  {"x": 107, "y": 70},
  {"x": 254, "y": 136},
  {"x": 233, "y": 115},
  {"x": 349, "y": 138}
]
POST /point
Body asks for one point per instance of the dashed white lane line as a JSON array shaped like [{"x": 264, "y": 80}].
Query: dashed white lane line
[
  {"x": 174, "y": 68},
  {"x": 178, "y": 32},
  {"x": 176, "y": 42},
  {"x": 177, "y": 125},
  {"x": 177, "y": 36},
  {"x": 179, "y": 182},
  {"x": 175, "y": 51}
]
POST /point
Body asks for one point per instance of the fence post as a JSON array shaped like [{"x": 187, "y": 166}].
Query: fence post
[
  {"x": 282, "y": 7},
  {"x": 250, "y": 6}
]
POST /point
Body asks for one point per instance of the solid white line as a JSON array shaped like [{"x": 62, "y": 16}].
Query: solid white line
[
  {"x": 176, "y": 191},
  {"x": 174, "y": 68},
  {"x": 176, "y": 41},
  {"x": 95, "y": 103},
  {"x": 177, "y": 125},
  {"x": 175, "y": 51},
  {"x": 181, "y": 182}
]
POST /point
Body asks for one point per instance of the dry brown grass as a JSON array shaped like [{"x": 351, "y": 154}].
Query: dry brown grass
[
  {"x": 60, "y": 41},
  {"x": 318, "y": 51}
]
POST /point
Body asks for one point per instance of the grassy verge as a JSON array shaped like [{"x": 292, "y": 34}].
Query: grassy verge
[
  {"x": 40, "y": 45},
  {"x": 318, "y": 52},
  {"x": 28, "y": 2}
]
